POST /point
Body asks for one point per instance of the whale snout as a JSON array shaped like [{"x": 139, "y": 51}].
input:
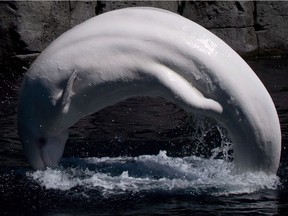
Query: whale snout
[{"x": 43, "y": 151}]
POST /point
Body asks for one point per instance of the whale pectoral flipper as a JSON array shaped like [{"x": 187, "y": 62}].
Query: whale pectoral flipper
[
  {"x": 183, "y": 93},
  {"x": 65, "y": 99}
]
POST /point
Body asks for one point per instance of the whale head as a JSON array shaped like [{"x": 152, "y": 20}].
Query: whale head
[
  {"x": 42, "y": 139},
  {"x": 43, "y": 150}
]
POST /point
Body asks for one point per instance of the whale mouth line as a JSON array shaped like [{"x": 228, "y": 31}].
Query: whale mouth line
[{"x": 46, "y": 159}]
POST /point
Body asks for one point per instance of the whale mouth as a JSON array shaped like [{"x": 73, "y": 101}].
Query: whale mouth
[{"x": 47, "y": 160}]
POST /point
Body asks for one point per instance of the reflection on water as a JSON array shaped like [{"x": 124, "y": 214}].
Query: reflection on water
[{"x": 114, "y": 162}]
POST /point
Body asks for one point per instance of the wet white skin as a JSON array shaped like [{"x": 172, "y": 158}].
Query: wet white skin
[{"x": 145, "y": 52}]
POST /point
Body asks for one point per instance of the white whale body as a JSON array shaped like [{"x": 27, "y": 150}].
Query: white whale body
[{"x": 145, "y": 52}]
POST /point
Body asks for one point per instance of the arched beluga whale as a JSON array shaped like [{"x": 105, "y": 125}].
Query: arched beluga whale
[{"x": 145, "y": 52}]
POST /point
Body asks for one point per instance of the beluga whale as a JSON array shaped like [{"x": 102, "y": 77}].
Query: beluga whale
[{"x": 145, "y": 52}]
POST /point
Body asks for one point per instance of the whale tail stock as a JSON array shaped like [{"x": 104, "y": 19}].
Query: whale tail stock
[{"x": 255, "y": 148}]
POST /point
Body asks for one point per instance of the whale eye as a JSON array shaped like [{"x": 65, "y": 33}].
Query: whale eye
[{"x": 41, "y": 142}]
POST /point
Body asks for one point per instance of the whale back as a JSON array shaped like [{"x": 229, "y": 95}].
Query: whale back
[{"x": 146, "y": 51}]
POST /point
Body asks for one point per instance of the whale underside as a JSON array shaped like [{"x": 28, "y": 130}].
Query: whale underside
[{"x": 145, "y": 52}]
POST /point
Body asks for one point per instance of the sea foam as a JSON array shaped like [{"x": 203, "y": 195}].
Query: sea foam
[{"x": 152, "y": 173}]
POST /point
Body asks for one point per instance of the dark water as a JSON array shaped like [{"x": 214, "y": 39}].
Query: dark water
[{"x": 142, "y": 157}]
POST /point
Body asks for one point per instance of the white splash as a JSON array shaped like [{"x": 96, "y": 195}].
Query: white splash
[{"x": 150, "y": 173}]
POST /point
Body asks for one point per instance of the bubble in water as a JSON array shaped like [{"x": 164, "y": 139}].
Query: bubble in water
[{"x": 211, "y": 140}]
